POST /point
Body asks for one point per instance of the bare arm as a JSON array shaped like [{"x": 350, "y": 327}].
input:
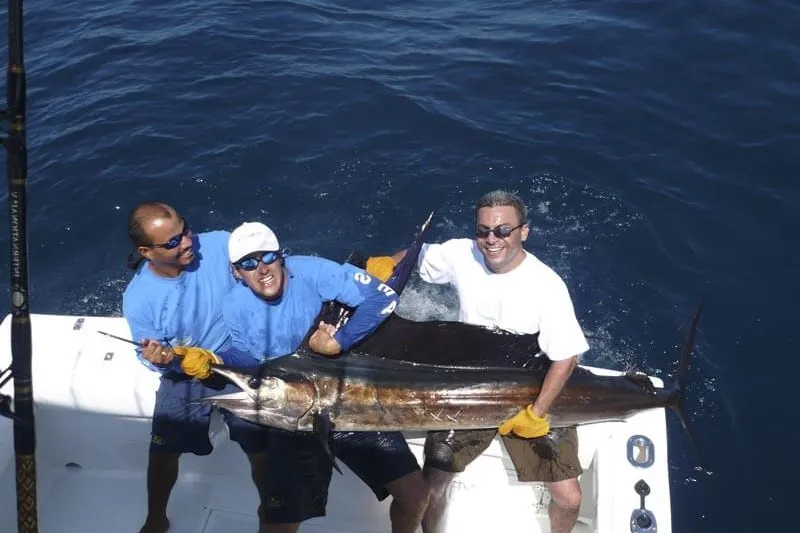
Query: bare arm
[
  {"x": 398, "y": 256},
  {"x": 554, "y": 381}
]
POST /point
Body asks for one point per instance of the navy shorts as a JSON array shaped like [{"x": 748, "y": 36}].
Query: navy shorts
[
  {"x": 180, "y": 426},
  {"x": 377, "y": 458},
  {"x": 297, "y": 472}
]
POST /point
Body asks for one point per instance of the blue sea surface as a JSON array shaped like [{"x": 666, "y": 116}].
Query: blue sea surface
[{"x": 657, "y": 144}]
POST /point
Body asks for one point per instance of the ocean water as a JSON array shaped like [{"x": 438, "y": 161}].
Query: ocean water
[{"x": 656, "y": 144}]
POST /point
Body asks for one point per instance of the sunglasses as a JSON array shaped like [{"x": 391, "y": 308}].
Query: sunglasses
[
  {"x": 501, "y": 232},
  {"x": 251, "y": 263},
  {"x": 175, "y": 241}
]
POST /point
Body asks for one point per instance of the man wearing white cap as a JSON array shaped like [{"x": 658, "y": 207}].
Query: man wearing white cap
[{"x": 268, "y": 314}]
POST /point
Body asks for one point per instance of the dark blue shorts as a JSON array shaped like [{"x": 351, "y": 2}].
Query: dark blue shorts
[
  {"x": 298, "y": 471},
  {"x": 182, "y": 427},
  {"x": 377, "y": 458}
]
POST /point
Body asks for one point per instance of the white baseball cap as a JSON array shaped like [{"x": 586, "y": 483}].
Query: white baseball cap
[{"x": 251, "y": 237}]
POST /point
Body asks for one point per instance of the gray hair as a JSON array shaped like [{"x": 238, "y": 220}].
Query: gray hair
[{"x": 500, "y": 198}]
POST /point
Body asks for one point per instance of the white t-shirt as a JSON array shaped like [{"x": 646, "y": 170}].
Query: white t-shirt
[{"x": 532, "y": 298}]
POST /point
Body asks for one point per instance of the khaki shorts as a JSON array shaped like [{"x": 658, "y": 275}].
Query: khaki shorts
[{"x": 452, "y": 451}]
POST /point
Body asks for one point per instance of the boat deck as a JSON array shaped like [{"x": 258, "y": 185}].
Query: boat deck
[{"x": 214, "y": 495}]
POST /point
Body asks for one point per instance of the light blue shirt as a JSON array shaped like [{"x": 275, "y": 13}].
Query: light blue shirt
[
  {"x": 185, "y": 310},
  {"x": 269, "y": 329}
]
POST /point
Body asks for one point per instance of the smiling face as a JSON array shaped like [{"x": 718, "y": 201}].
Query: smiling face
[
  {"x": 170, "y": 247},
  {"x": 501, "y": 254},
  {"x": 266, "y": 280}
]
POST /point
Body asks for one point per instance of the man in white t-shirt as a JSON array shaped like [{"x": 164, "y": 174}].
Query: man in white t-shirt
[{"x": 500, "y": 285}]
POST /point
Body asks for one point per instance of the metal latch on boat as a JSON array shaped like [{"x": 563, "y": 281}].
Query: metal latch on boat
[
  {"x": 642, "y": 519},
  {"x": 640, "y": 451}
]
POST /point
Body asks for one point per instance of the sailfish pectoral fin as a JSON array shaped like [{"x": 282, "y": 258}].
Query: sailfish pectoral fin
[{"x": 322, "y": 429}]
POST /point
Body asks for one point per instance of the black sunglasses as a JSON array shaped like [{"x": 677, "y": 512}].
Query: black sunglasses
[
  {"x": 251, "y": 263},
  {"x": 175, "y": 241},
  {"x": 501, "y": 232}
]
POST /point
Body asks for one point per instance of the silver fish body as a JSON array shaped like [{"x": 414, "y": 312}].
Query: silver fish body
[{"x": 374, "y": 389}]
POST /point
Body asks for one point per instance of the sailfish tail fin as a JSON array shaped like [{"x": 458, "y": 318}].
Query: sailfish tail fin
[{"x": 677, "y": 389}]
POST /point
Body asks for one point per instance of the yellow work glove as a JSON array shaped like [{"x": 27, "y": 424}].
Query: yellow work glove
[
  {"x": 381, "y": 267},
  {"x": 525, "y": 424},
  {"x": 196, "y": 362}
]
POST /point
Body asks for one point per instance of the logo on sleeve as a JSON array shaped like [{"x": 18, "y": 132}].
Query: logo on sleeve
[
  {"x": 385, "y": 289},
  {"x": 389, "y": 308},
  {"x": 362, "y": 277},
  {"x": 365, "y": 279}
]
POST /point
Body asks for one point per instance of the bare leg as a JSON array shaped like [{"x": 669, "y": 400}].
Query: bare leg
[
  {"x": 564, "y": 505},
  {"x": 162, "y": 472},
  {"x": 438, "y": 480},
  {"x": 409, "y": 499}
]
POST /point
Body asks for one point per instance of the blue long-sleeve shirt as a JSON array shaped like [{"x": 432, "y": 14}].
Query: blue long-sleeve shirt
[
  {"x": 185, "y": 310},
  {"x": 270, "y": 329}
]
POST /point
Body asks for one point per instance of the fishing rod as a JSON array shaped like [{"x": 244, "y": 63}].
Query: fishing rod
[
  {"x": 123, "y": 339},
  {"x": 135, "y": 343},
  {"x": 17, "y": 169}
]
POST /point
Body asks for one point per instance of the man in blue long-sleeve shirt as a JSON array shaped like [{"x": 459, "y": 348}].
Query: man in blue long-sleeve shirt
[
  {"x": 173, "y": 303},
  {"x": 268, "y": 314}
]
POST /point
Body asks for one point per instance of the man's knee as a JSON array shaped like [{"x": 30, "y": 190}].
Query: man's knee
[
  {"x": 438, "y": 481},
  {"x": 566, "y": 494},
  {"x": 410, "y": 490}
]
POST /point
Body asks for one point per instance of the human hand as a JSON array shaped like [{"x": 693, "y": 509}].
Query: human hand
[
  {"x": 323, "y": 342},
  {"x": 196, "y": 362},
  {"x": 156, "y": 353},
  {"x": 526, "y": 424}
]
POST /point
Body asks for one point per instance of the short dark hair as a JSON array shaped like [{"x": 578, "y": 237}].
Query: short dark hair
[
  {"x": 141, "y": 215},
  {"x": 500, "y": 198}
]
